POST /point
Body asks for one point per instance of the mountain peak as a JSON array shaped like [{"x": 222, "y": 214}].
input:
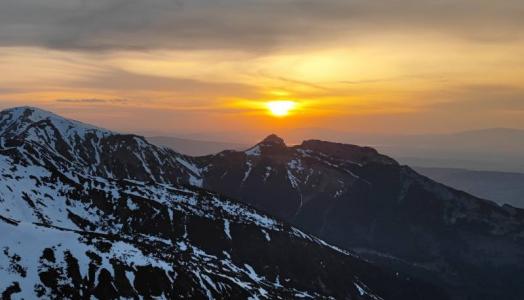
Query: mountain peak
[
  {"x": 16, "y": 120},
  {"x": 271, "y": 144},
  {"x": 273, "y": 139},
  {"x": 33, "y": 114},
  {"x": 27, "y": 108}
]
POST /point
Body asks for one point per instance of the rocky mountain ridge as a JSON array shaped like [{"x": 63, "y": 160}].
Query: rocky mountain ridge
[{"x": 358, "y": 199}]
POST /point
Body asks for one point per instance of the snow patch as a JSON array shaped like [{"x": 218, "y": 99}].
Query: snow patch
[
  {"x": 255, "y": 151},
  {"x": 226, "y": 229}
]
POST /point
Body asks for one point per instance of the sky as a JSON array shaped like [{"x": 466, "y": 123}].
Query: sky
[{"x": 176, "y": 66}]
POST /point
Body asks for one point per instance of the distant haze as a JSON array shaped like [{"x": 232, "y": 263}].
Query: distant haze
[
  {"x": 490, "y": 149},
  {"x": 501, "y": 187},
  {"x": 195, "y": 147}
]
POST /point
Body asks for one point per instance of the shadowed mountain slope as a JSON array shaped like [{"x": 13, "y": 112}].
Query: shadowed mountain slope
[{"x": 361, "y": 200}]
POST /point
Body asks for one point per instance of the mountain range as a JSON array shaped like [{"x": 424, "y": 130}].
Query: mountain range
[
  {"x": 86, "y": 212},
  {"x": 501, "y": 187},
  {"x": 94, "y": 212}
]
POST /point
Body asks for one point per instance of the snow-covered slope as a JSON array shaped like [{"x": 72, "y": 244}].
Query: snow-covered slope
[
  {"x": 87, "y": 149},
  {"x": 69, "y": 232},
  {"x": 18, "y": 120}
]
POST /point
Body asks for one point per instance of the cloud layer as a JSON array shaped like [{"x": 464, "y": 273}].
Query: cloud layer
[{"x": 254, "y": 25}]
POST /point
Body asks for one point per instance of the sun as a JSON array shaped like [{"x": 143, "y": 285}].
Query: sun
[{"x": 280, "y": 108}]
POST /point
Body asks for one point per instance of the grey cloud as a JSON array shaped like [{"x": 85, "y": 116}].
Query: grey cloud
[
  {"x": 254, "y": 25},
  {"x": 9, "y": 90},
  {"x": 122, "y": 82},
  {"x": 92, "y": 100}
]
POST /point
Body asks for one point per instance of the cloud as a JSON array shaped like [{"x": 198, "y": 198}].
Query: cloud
[
  {"x": 9, "y": 90},
  {"x": 93, "y": 100},
  {"x": 124, "y": 82},
  {"x": 255, "y": 25}
]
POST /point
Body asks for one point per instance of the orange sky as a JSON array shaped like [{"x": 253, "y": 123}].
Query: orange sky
[{"x": 357, "y": 68}]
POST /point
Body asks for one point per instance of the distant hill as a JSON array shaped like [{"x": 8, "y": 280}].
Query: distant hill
[
  {"x": 194, "y": 147},
  {"x": 502, "y": 187},
  {"x": 498, "y": 149}
]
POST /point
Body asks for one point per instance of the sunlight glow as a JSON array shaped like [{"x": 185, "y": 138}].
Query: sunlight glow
[{"x": 280, "y": 108}]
